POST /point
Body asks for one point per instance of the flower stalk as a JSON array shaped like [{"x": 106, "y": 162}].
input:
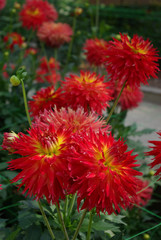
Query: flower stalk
[
  {"x": 62, "y": 222},
  {"x": 115, "y": 103},
  {"x": 89, "y": 226},
  {"x": 79, "y": 224},
  {"x": 46, "y": 220}
]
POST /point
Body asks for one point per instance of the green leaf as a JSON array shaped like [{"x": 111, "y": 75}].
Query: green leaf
[
  {"x": 104, "y": 226},
  {"x": 33, "y": 233},
  {"x": 26, "y": 219},
  {"x": 13, "y": 235},
  {"x": 115, "y": 218}
]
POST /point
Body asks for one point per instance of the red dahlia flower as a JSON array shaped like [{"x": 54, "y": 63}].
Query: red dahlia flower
[
  {"x": 2, "y": 4},
  {"x": 47, "y": 71},
  {"x": 103, "y": 174},
  {"x": 55, "y": 34},
  {"x": 5, "y": 73},
  {"x": 130, "y": 97},
  {"x": 142, "y": 197},
  {"x": 156, "y": 152},
  {"x": 43, "y": 163},
  {"x": 45, "y": 99},
  {"x": 35, "y": 12},
  {"x": 133, "y": 61},
  {"x": 76, "y": 121},
  {"x": 9, "y": 138},
  {"x": 32, "y": 51},
  {"x": 94, "y": 50},
  {"x": 88, "y": 91},
  {"x": 13, "y": 39}
]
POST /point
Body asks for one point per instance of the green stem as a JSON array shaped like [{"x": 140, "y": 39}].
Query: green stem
[
  {"x": 25, "y": 102},
  {"x": 46, "y": 220},
  {"x": 97, "y": 14},
  {"x": 144, "y": 231},
  {"x": 72, "y": 204},
  {"x": 146, "y": 210},
  {"x": 62, "y": 222},
  {"x": 150, "y": 184},
  {"x": 45, "y": 54},
  {"x": 29, "y": 120},
  {"x": 79, "y": 224},
  {"x": 115, "y": 103},
  {"x": 71, "y": 42},
  {"x": 89, "y": 226},
  {"x": 66, "y": 207}
]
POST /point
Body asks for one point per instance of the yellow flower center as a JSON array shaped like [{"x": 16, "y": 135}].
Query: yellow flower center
[
  {"x": 107, "y": 159},
  {"x": 50, "y": 147},
  {"x": 33, "y": 12},
  {"x": 137, "y": 49}
]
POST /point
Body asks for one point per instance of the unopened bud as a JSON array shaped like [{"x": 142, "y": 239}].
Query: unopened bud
[
  {"x": 146, "y": 236},
  {"x": 6, "y": 53},
  {"x": 151, "y": 172},
  {"x": 15, "y": 80},
  {"x": 13, "y": 10},
  {"x": 8, "y": 140},
  {"x": 24, "y": 45},
  {"x": 17, "y": 5},
  {"x": 78, "y": 11}
]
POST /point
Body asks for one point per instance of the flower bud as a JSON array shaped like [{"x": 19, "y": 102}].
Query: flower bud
[
  {"x": 146, "y": 236},
  {"x": 15, "y": 80},
  {"x": 24, "y": 45},
  {"x": 78, "y": 11},
  {"x": 8, "y": 140},
  {"x": 6, "y": 53},
  {"x": 17, "y": 5},
  {"x": 151, "y": 172},
  {"x": 13, "y": 10}
]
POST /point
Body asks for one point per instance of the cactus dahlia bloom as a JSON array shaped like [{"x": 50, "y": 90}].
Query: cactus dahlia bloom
[
  {"x": 43, "y": 162},
  {"x": 2, "y": 4},
  {"x": 88, "y": 91},
  {"x": 13, "y": 39},
  {"x": 55, "y": 34},
  {"x": 45, "y": 98},
  {"x": 133, "y": 60},
  {"x": 130, "y": 97},
  {"x": 35, "y": 12},
  {"x": 47, "y": 71},
  {"x": 9, "y": 138},
  {"x": 102, "y": 172},
  {"x": 156, "y": 152},
  {"x": 142, "y": 197},
  {"x": 94, "y": 50},
  {"x": 76, "y": 121}
]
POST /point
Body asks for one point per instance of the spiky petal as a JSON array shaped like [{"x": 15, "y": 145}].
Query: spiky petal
[
  {"x": 133, "y": 60},
  {"x": 87, "y": 90},
  {"x": 13, "y": 39},
  {"x": 35, "y": 12},
  {"x": 9, "y": 138},
  {"x": 47, "y": 71},
  {"x": 156, "y": 153},
  {"x": 77, "y": 121},
  {"x": 55, "y": 34},
  {"x": 94, "y": 50},
  {"x": 130, "y": 97},
  {"x": 143, "y": 194},
  {"x": 46, "y": 98},
  {"x": 43, "y": 162},
  {"x": 103, "y": 174}
]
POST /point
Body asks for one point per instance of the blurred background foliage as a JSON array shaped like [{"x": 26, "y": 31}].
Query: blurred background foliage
[{"x": 19, "y": 216}]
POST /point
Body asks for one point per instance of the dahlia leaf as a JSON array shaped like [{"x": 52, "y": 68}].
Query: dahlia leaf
[{"x": 104, "y": 226}]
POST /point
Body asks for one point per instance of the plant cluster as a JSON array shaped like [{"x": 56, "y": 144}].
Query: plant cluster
[{"x": 68, "y": 156}]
